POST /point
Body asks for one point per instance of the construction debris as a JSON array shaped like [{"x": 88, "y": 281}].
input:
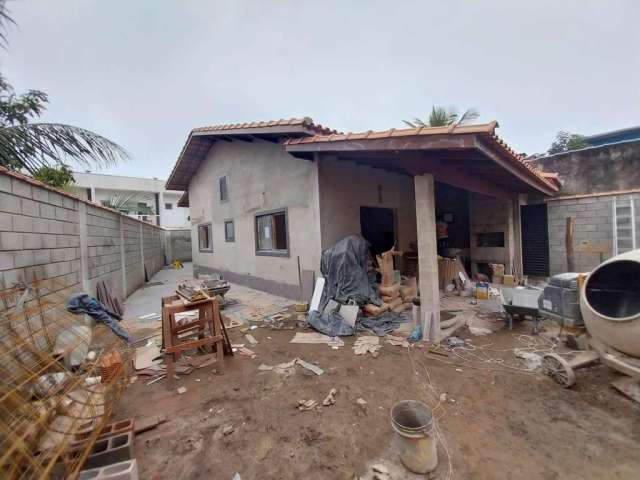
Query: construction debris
[
  {"x": 305, "y": 405},
  {"x": 367, "y": 343},
  {"x": 316, "y": 337},
  {"x": 309, "y": 366},
  {"x": 251, "y": 339},
  {"x": 331, "y": 398},
  {"x": 397, "y": 341},
  {"x": 227, "y": 430},
  {"x": 181, "y": 390},
  {"x": 362, "y": 403}
]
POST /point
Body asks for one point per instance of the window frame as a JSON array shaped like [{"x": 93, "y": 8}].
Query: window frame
[
  {"x": 272, "y": 253},
  {"x": 231, "y": 239},
  {"x": 226, "y": 183},
  {"x": 210, "y": 227}
]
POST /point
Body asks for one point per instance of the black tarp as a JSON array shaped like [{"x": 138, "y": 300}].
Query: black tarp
[{"x": 347, "y": 281}]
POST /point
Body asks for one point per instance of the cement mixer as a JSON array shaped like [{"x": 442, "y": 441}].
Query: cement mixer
[{"x": 610, "y": 306}]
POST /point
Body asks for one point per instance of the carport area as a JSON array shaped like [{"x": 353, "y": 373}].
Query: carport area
[{"x": 405, "y": 187}]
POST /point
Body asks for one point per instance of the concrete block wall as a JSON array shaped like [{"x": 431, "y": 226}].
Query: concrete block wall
[
  {"x": 593, "y": 227},
  {"x": 132, "y": 243},
  {"x": 69, "y": 243},
  {"x": 39, "y": 237}
]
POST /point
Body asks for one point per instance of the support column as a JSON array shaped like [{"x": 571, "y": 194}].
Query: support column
[
  {"x": 517, "y": 229},
  {"x": 84, "y": 248},
  {"x": 427, "y": 256},
  {"x": 123, "y": 260}
]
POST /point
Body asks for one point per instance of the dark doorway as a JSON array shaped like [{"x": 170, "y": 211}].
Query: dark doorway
[
  {"x": 535, "y": 240},
  {"x": 378, "y": 227}
]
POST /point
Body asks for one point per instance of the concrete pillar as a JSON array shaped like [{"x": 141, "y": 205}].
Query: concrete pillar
[
  {"x": 123, "y": 263},
  {"x": 517, "y": 229},
  {"x": 84, "y": 248},
  {"x": 93, "y": 195},
  {"x": 510, "y": 238},
  {"x": 427, "y": 255},
  {"x": 144, "y": 279}
]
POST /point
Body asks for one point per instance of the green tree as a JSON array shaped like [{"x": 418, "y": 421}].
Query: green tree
[
  {"x": 566, "y": 141},
  {"x": 29, "y": 145},
  {"x": 59, "y": 177},
  {"x": 441, "y": 117}
]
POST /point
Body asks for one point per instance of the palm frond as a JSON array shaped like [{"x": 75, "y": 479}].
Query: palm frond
[
  {"x": 34, "y": 145},
  {"x": 5, "y": 20},
  {"x": 409, "y": 124},
  {"x": 469, "y": 115}
]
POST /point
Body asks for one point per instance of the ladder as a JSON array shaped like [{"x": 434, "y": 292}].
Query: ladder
[{"x": 624, "y": 225}]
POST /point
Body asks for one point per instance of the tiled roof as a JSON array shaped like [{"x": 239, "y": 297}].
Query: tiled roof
[
  {"x": 305, "y": 122},
  {"x": 486, "y": 129}
]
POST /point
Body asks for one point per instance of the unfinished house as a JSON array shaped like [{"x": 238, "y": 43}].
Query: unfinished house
[{"x": 267, "y": 197}]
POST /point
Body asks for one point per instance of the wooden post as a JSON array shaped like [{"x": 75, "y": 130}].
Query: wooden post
[{"x": 568, "y": 241}]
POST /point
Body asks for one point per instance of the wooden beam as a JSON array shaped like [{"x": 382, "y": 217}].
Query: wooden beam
[
  {"x": 526, "y": 177},
  {"x": 267, "y": 138},
  {"x": 416, "y": 142}
]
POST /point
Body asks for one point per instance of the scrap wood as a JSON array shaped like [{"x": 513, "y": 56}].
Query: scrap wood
[
  {"x": 251, "y": 339},
  {"x": 316, "y": 338},
  {"x": 148, "y": 423},
  {"x": 305, "y": 405},
  {"x": 309, "y": 366},
  {"x": 246, "y": 352}
]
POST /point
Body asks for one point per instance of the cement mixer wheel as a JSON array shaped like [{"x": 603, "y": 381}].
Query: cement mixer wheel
[{"x": 559, "y": 369}]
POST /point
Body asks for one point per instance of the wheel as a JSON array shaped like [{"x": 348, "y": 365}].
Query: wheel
[{"x": 559, "y": 369}]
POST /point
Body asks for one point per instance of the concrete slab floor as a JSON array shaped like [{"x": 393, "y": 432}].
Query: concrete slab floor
[{"x": 246, "y": 304}]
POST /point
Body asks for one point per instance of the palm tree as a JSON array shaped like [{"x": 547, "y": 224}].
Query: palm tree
[
  {"x": 441, "y": 117},
  {"x": 29, "y": 145}
]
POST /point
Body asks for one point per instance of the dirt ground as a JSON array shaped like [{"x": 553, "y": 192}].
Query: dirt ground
[{"x": 498, "y": 423}]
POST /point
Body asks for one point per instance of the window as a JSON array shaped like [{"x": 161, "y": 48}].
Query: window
[
  {"x": 272, "y": 237},
  {"x": 229, "y": 231},
  {"x": 224, "y": 190},
  {"x": 204, "y": 238},
  {"x": 168, "y": 206}
]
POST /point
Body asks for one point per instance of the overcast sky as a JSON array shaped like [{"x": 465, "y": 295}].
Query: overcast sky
[{"x": 143, "y": 73}]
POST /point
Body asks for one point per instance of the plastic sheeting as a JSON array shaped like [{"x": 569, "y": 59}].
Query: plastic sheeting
[{"x": 344, "y": 267}]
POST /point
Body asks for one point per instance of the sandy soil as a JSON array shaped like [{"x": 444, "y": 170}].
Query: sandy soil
[{"x": 497, "y": 424}]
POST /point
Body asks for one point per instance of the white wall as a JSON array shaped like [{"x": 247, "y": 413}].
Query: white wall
[{"x": 261, "y": 176}]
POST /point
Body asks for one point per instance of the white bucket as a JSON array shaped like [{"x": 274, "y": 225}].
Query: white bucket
[{"x": 413, "y": 422}]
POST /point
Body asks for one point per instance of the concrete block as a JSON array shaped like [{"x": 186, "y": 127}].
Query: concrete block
[
  {"x": 24, "y": 258},
  {"x": 5, "y": 183},
  {"x": 74, "y": 241},
  {"x": 64, "y": 268},
  {"x": 20, "y": 188},
  {"x": 55, "y": 226},
  {"x": 41, "y": 256},
  {"x": 22, "y": 223},
  {"x": 10, "y": 203},
  {"x": 40, "y": 226},
  {"x": 6, "y": 261},
  {"x": 62, "y": 241},
  {"x": 70, "y": 228},
  {"x": 108, "y": 451},
  {"x": 11, "y": 277},
  {"x": 49, "y": 241},
  {"x": 588, "y": 200},
  {"x": 10, "y": 241},
  {"x": 30, "y": 207},
  {"x": 34, "y": 273},
  {"x": 51, "y": 270},
  {"x": 55, "y": 199},
  {"x": 57, "y": 255},
  {"x": 61, "y": 213},
  {"x": 40, "y": 194},
  {"x": 69, "y": 203},
  {"x": 32, "y": 241},
  {"x": 47, "y": 211},
  {"x": 127, "y": 470},
  {"x": 6, "y": 222}
]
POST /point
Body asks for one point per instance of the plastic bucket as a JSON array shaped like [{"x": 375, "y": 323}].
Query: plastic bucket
[{"x": 413, "y": 422}]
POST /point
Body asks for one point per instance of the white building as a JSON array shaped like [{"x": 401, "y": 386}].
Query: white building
[{"x": 142, "y": 198}]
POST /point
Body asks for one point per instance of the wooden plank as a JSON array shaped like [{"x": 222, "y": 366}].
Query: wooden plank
[{"x": 193, "y": 344}]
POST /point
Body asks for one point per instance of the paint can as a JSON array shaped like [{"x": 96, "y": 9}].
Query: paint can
[{"x": 413, "y": 422}]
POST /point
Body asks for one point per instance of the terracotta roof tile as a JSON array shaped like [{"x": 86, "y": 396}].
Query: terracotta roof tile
[{"x": 305, "y": 122}]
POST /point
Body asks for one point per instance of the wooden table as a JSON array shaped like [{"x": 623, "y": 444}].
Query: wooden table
[{"x": 204, "y": 331}]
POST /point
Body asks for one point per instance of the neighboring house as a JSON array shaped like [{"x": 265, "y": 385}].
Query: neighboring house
[
  {"x": 601, "y": 191},
  {"x": 142, "y": 198},
  {"x": 615, "y": 136},
  {"x": 266, "y": 198}
]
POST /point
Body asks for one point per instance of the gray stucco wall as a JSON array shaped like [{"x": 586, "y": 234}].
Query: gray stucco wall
[
  {"x": 346, "y": 186},
  {"x": 261, "y": 177},
  {"x": 608, "y": 168},
  {"x": 178, "y": 243},
  {"x": 69, "y": 243}
]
